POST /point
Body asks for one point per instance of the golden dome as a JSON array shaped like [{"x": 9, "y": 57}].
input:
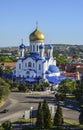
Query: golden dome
[{"x": 36, "y": 36}]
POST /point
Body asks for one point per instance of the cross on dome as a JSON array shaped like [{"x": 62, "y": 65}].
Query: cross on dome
[{"x": 36, "y": 24}]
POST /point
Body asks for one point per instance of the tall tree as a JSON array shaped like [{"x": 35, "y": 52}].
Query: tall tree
[
  {"x": 58, "y": 118},
  {"x": 7, "y": 125},
  {"x": 4, "y": 89},
  {"x": 81, "y": 116},
  {"x": 46, "y": 115},
  {"x": 79, "y": 92},
  {"x": 39, "y": 122},
  {"x": 67, "y": 86}
]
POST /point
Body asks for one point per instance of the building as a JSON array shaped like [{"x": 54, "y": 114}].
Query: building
[{"x": 36, "y": 65}]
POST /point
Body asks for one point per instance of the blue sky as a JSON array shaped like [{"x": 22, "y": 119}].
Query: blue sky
[{"x": 61, "y": 21}]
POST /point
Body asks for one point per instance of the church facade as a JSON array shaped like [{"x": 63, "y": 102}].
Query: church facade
[{"x": 36, "y": 64}]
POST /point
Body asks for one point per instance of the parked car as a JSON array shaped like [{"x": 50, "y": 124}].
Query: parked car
[{"x": 5, "y": 110}]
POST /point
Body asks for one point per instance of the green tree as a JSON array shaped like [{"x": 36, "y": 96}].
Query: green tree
[
  {"x": 36, "y": 87},
  {"x": 22, "y": 88},
  {"x": 7, "y": 70},
  {"x": 40, "y": 122},
  {"x": 7, "y": 125},
  {"x": 43, "y": 85},
  {"x": 1, "y": 71},
  {"x": 79, "y": 92},
  {"x": 58, "y": 118},
  {"x": 1, "y": 128},
  {"x": 67, "y": 86},
  {"x": 46, "y": 115},
  {"x": 61, "y": 60},
  {"x": 81, "y": 116},
  {"x": 4, "y": 89}
]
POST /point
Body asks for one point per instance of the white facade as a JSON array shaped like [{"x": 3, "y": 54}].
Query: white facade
[{"x": 36, "y": 64}]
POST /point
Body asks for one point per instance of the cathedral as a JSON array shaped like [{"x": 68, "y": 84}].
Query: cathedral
[{"x": 37, "y": 65}]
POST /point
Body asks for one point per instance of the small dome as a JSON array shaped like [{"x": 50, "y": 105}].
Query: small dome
[
  {"x": 41, "y": 46},
  {"x": 53, "y": 69},
  {"x": 50, "y": 47},
  {"x": 22, "y": 46},
  {"x": 48, "y": 72},
  {"x": 36, "y": 36}
]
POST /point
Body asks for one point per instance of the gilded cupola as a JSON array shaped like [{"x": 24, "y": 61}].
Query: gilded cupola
[{"x": 36, "y": 36}]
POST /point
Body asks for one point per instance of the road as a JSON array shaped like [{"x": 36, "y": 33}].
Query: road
[{"x": 17, "y": 103}]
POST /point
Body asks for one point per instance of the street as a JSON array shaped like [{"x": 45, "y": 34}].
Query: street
[{"x": 18, "y": 103}]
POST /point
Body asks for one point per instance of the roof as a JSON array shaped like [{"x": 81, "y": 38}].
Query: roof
[
  {"x": 50, "y": 47},
  {"x": 31, "y": 80},
  {"x": 53, "y": 69},
  {"x": 10, "y": 64},
  {"x": 55, "y": 79},
  {"x": 41, "y": 46},
  {"x": 22, "y": 46},
  {"x": 36, "y": 36}
]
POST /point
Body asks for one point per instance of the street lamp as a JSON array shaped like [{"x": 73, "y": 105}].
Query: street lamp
[{"x": 31, "y": 114}]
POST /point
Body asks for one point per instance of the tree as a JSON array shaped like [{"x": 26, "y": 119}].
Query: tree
[
  {"x": 36, "y": 87},
  {"x": 1, "y": 70},
  {"x": 67, "y": 86},
  {"x": 58, "y": 118},
  {"x": 61, "y": 60},
  {"x": 43, "y": 85},
  {"x": 4, "y": 89},
  {"x": 46, "y": 115},
  {"x": 7, "y": 125},
  {"x": 22, "y": 88},
  {"x": 39, "y": 122},
  {"x": 79, "y": 92},
  {"x": 81, "y": 115}
]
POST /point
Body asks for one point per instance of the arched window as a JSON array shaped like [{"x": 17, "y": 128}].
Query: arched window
[
  {"x": 30, "y": 47},
  {"x": 29, "y": 64},
  {"x": 37, "y": 47},
  {"x": 25, "y": 64},
  {"x": 27, "y": 72},
  {"x": 39, "y": 67},
  {"x": 19, "y": 66},
  {"x": 33, "y": 47},
  {"x": 33, "y": 65}
]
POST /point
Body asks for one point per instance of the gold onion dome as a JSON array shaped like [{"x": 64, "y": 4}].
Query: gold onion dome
[{"x": 36, "y": 36}]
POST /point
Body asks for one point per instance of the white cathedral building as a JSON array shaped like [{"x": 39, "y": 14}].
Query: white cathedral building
[{"x": 36, "y": 64}]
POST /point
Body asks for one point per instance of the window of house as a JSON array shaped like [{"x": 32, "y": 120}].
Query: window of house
[
  {"x": 19, "y": 66},
  {"x": 39, "y": 67},
  {"x": 29, "y": 64}
]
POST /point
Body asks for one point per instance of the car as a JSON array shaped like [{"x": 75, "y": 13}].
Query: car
[{"x": 5, "y": 110}]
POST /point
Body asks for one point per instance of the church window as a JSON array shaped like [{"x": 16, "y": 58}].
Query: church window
[
  {"x": 33, "y": 47},
  {"x": 37, "y": 47},
  {"x": 25, "y": 64},
  {"x": 19, "y": 66},
  {"x": 40, "y": 53},
  {"x": 14, "y": 71},
  {"x": 39, "y": 67},
  {"x": 27, "y": 72},
  {"x": 29, "y": 64},
  {"x": 33, "y": 64}
]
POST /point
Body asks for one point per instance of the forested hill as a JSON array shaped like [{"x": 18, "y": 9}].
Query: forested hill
[
  {"x": 12, "y": 53},
  {"x": 68, "y": 50}
]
